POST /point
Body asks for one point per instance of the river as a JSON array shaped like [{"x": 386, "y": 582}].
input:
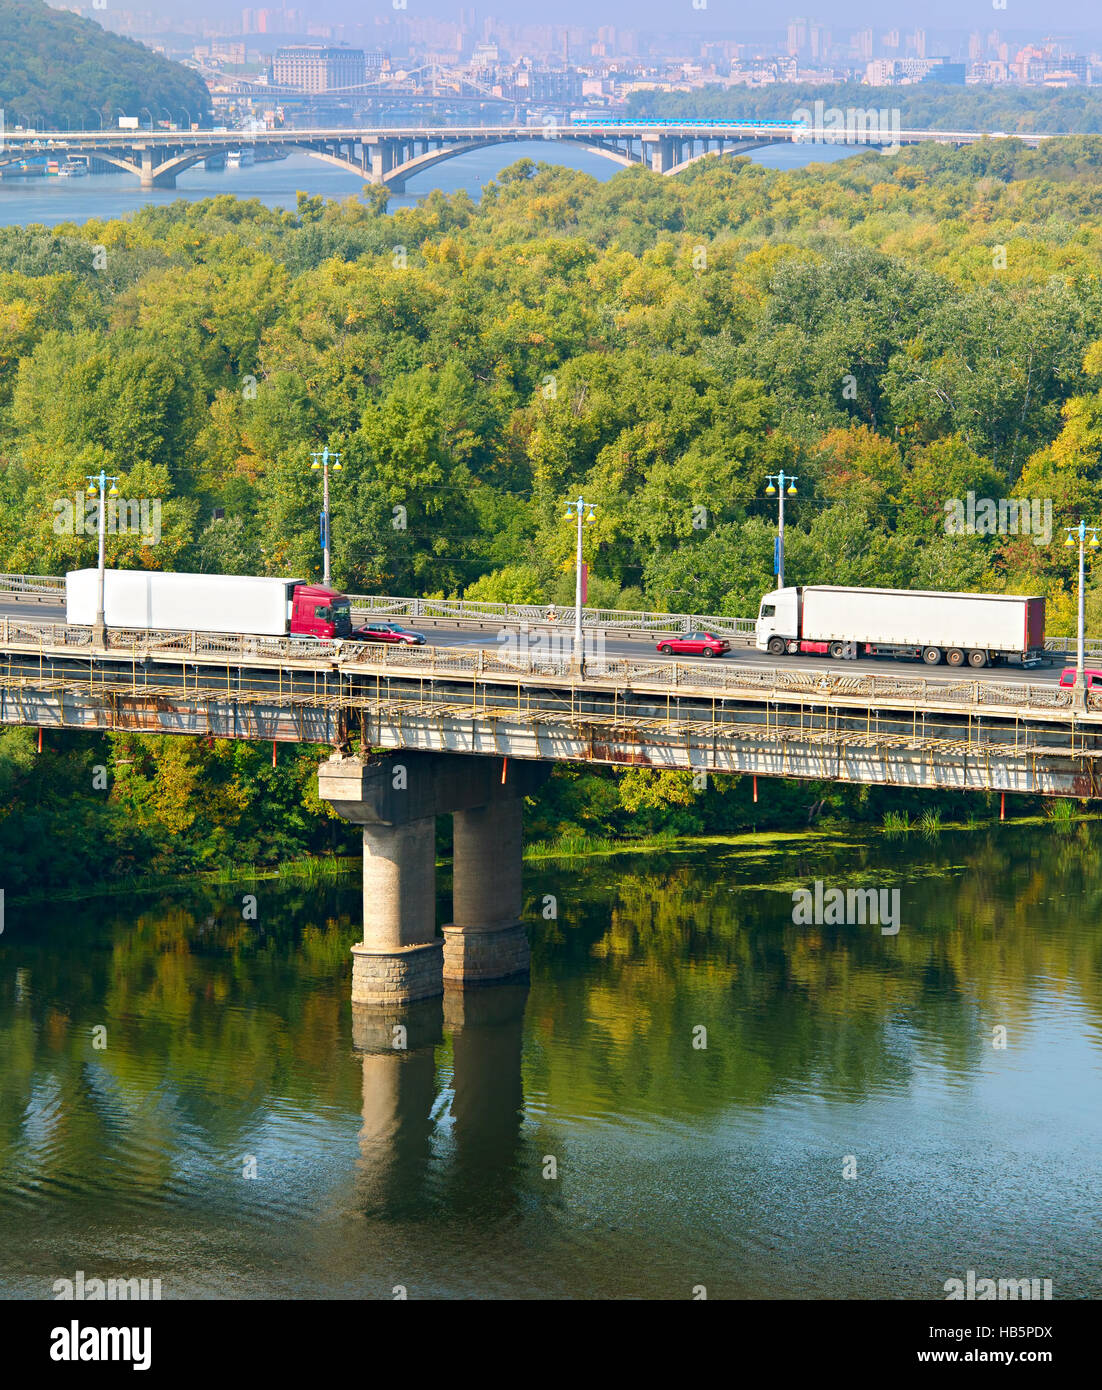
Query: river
[
  {"x": 49, "y": 201},
  {"x": 672, "y": 1105}
]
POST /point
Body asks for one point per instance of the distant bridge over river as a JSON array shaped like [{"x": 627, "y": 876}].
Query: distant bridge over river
[{"x": 390, "y": 156}]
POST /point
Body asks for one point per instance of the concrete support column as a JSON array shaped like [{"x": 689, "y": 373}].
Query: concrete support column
[
  {"x": 396, "y": 800},
  {"x": 486, "y": 939},
  {"x": 382, "y": 160},
  {"x": 400, "y": 958},
  {"x": 151, "y": 179},
  {"x": 659, "y": 152}
]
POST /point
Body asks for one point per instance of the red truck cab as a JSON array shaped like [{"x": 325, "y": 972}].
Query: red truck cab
[{"x": 320, "y": 612}]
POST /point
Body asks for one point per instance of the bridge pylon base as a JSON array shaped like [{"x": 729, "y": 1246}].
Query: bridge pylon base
[
  {"x": 396, "y": 800},
  {"x": 473, "y": 957},
  {"x": 398, "y": 975}
]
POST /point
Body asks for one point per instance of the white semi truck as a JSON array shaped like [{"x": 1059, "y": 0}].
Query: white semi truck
[
  {"x": 830, "y": 620},
  {"x": 228, "y": 603}
]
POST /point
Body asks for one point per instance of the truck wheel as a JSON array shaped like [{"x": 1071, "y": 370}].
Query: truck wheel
[
  {"x": 977, "y": 659},
  {"x": 954, "y": 657},
  {"x": 776, "y": 646},
  {"x": 931, "y": 656},
  {"x": 837, "y": 650}
]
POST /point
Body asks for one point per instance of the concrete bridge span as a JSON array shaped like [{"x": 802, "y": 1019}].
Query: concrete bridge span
[{"x": 389, "y": 156}]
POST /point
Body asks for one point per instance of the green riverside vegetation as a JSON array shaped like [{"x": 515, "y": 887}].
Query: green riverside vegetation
[
  {"x": 68, "y": 73},
  {"x": 899, "y": 332}
]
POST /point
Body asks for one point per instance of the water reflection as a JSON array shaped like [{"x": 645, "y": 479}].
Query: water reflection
[{"x": 677, "y": 1163}]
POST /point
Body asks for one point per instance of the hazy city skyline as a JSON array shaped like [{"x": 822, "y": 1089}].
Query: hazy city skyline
[{"x": 1049, "y": 16}]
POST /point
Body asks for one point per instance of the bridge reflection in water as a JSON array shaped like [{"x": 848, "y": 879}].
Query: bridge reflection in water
[{"x": 402, "y": 1114}]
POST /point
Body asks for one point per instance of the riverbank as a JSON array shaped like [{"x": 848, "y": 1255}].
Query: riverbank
[{"x": 328, "y": 868}]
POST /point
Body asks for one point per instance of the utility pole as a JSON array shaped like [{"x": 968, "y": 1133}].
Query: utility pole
[
  {"x": 777, "y": 486},
  {"x": 97, "y": 482},
  {"x": 579, "y": 508},
  {"x": 1079, "y": 533},
  {"x": 321, "y": 461}
]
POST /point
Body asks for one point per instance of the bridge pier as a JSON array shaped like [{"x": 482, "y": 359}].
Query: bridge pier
[
  {"x": 382, "y": 157},
  {"x": 663, "y": 153},
  {"x": 149, "y": 176},
  {"x": 486, "y": 939},
  {"x": 396, "y": 799},
  {"x": 400, "y": 957}
]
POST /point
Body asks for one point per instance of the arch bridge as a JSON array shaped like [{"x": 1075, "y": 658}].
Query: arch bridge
[{"x": 390, "y": 156}]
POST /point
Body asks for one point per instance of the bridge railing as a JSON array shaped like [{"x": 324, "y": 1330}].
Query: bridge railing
[
  {"x": 713, "y": 676},
  {"x": 52, "y": 587},
  {"x": 893, "y": 688},
  {"x": 46, "y": 585},
  {"x": 615, "y": 619}
]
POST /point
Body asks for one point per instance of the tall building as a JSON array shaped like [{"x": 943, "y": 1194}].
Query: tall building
[
  {"x": 313, "y": 68},
  {"x": 797, "y": 36}
]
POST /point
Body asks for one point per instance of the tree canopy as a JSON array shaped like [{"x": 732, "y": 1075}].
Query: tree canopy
[{"x": 64, "y": 70}]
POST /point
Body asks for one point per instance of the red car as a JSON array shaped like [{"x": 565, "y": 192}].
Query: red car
[
  {"x": 1094, "y": 678},
  {"x": 388, "y": 632},
  {"x": 694, "y": 644}
]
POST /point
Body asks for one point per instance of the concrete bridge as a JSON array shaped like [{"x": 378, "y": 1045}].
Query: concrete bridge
[
  {"x": 470, "y": 732},
  {"x": 390, "y": 156}
]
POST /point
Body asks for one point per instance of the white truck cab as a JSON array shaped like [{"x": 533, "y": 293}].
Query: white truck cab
[{"x": 778, "y": 621}]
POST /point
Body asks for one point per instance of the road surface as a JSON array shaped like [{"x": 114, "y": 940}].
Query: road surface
[{"x": 440, "y": 633}]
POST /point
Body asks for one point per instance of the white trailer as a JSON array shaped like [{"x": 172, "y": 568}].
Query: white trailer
[
  {"x": 161, "y": 602},
  {"x": 827, "y": 619}
]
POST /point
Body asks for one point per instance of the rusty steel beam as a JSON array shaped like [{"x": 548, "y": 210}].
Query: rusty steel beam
[{"x": 836, "y": 745}]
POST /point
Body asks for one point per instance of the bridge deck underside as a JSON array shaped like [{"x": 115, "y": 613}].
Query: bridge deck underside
[{"x": 797, "y": 737}]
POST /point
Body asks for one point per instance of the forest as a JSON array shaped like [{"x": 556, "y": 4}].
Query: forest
[
  {"x": 64, "y": 72},
  {"x": 928, "y": 105},
  {"x": 897, "y": 332}
]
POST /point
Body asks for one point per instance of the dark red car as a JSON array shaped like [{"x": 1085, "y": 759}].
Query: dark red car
[
  {"x": 694, "y": 644},
  {"x": 388, "y": 632}
]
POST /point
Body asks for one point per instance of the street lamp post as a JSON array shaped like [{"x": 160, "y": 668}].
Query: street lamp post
[
  {"x": 776, "y": 486},
  {"x": 579, "y": 509},
  {"x": 98, "y": 483},
  {"x": 321, "y": 461},
  {"x": 1079, "y": 534}
]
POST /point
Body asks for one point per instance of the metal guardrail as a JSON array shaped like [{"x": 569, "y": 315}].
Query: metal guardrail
[
  {"x": 32, "y": 585},
  {"x": 49, "y": 586},
  {"x": 615, "y": 619},
  {"x": 674, "y": 677}
]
